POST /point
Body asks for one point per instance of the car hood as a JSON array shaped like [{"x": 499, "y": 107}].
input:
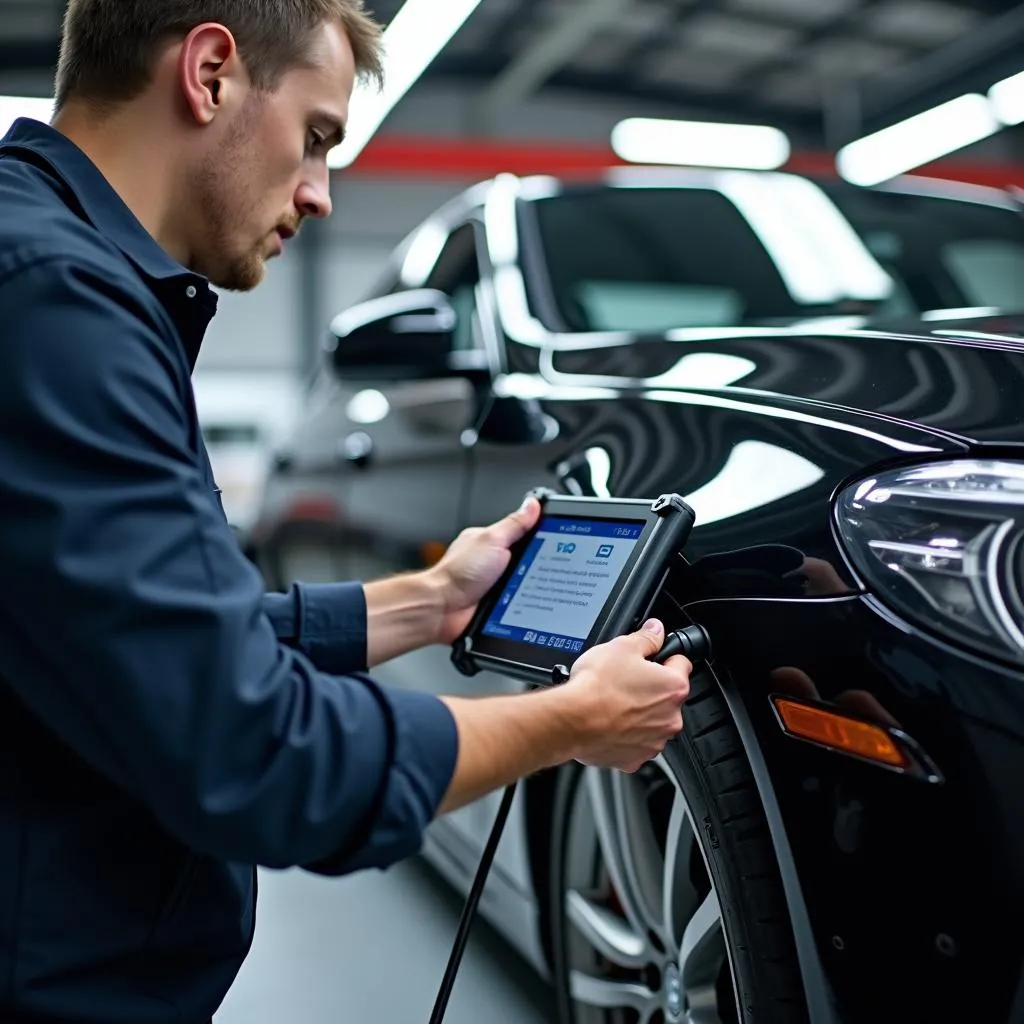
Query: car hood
[{"x": 953, "y": 379}]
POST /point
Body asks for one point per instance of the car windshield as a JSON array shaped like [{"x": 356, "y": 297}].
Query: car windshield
[{"x": 650, "y": 259}]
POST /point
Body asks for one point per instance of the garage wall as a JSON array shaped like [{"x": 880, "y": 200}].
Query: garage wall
[{"x": 257, "y": 330}]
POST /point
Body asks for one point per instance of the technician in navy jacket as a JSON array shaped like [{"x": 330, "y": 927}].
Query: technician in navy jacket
[{"x": 164, "y": 724}]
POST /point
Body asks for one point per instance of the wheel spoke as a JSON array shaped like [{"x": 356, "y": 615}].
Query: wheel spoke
[
  {"x": 700, "y": 960},
  {"x": 660, "y": 897},
  {"x": 610, "y": 995},
  {"x": 641, "y": 855},
  {"x": 679, "y": 898},
  {"x": 606, "y": 932},
  {"x": 607, "y": 828},
  {"x": 703, "y": 1007}
]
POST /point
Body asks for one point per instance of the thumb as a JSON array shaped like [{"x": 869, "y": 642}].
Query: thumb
[
  {"x": 650, "y": 638},
  {"x": 516, "y": 525}
]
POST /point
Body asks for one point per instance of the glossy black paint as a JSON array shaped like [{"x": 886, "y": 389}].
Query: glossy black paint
[
  {"x": 911, "y": 888},
  {"x": 912, "y": 885},
  {"x": 962, "y": 385}
]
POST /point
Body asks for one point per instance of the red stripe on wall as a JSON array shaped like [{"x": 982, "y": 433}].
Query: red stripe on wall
[{"x": 405, "y": 156}]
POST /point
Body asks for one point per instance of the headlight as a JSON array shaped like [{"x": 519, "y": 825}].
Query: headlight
[{"x": 942, "y": 545}]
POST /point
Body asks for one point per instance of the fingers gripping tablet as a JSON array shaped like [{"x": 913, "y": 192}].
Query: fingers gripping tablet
[{"x": 588, "y": 572}]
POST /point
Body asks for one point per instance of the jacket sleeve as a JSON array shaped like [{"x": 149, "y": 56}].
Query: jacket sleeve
[
  {"x": 326, "y": 621},
  {"x": 134, "y": 627}
]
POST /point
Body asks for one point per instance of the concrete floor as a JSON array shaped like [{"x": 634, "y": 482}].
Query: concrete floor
[{"x": 371, "y": 949}]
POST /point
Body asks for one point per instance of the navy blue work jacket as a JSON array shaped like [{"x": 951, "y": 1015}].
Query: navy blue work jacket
[{"x": 164, "y": 724}]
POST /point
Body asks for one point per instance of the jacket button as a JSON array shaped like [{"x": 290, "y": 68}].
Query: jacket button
[{"x": 191, "y": 292}]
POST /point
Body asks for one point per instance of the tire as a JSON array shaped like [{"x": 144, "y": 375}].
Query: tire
[{"x": 724, "y": 954}]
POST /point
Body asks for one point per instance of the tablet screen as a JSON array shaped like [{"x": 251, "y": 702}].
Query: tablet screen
[{"x": 562, "y": 582}]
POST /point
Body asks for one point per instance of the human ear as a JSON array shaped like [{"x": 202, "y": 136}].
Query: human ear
[{"x": 210, "y": 71}]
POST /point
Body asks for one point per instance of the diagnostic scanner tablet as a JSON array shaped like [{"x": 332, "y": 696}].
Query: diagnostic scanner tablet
[{"x": 588, "y": 572}]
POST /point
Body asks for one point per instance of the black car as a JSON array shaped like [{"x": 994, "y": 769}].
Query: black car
[{"x": 834, "y": 379}]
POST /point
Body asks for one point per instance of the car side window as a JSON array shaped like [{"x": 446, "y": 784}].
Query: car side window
[{"x": 457, "y": 274}]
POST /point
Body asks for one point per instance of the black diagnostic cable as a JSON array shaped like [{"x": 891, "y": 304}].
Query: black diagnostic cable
[{"x": 693, "y": 643}]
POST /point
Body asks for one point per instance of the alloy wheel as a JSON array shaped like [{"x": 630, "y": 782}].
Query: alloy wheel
[{"x": 644, "y": 930}]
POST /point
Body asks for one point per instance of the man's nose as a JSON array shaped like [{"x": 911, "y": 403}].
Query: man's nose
[{"x": 313, "y": 199}]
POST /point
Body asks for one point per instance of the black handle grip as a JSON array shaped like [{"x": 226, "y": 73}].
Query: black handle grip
[{"x": 692, "y": 642}]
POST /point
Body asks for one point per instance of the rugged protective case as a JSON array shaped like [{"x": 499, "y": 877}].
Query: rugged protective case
[{"x": 669, "y": 522}]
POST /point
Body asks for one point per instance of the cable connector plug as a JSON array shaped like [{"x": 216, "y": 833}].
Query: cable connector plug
[{"x": 692, "y": 642}]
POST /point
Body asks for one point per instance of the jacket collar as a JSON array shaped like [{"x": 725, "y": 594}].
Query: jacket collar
[{"x": 97, "y": 201}]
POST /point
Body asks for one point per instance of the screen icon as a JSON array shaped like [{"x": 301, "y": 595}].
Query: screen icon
[
  {"x": 605, "y": 550},
  {"x": 566, "y": 548}
]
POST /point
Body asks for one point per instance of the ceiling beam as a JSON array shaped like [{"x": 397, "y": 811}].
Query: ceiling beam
[
  {"x": 552, "y": 51},
  {"x": 973, "y": 62}
]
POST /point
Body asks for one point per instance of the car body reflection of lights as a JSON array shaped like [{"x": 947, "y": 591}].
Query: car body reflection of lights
[
  {"x": 690, "y": 398},
  {"x": 600, "y": 471},
  {"x": 863, "y": 489},
  {"x": 705, "y": 370},
  {"x": 755, "y": 474},
  {"x": 368, "y": 407},
  {"x": 424, "y": 252}
]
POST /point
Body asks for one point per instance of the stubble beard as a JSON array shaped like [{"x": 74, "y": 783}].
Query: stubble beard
[{"x": 226, "y": 203}]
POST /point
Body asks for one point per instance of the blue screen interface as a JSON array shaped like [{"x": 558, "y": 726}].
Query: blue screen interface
[{"x": 562, "y": 582}]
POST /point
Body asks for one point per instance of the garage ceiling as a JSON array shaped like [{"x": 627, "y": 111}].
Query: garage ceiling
[{"x": 827, "y": 70}]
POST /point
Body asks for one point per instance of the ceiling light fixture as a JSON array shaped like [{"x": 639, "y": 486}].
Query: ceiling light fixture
[
  {"x": 413, "y": 39},
  {"x": 1007, "y": 99},
  {"x": 918, "y": 140},
  {"x": 642, "y": 140}
]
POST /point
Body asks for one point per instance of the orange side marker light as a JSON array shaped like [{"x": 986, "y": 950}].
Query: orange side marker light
[{"x": 838, "y": 732}]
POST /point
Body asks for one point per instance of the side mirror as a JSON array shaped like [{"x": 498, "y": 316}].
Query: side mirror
[{"x": 407, "y": 336}]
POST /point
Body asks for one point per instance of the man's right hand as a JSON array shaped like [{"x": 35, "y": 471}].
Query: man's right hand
[
  {"x": 626, "y": 707},
  {"x": 618, "y": 710}
]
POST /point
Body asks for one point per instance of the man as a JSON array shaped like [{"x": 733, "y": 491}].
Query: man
[{"x": 164, "y": 725}]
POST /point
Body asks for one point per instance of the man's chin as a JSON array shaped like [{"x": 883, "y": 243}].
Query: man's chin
[{"x": 242, "y": 278}]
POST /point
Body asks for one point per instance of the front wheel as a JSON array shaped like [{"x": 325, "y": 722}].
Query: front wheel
[{"x": 667, "y": 902}]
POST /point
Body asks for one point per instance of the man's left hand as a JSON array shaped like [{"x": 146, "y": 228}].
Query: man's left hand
[{"x": 474, "y": 563}]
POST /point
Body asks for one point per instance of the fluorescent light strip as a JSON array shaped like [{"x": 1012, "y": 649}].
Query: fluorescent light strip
[
  {"x": 1007, "y": 99},
  {"x": 13, "y": 107},
  {"x": 642, "y": 140},
  {"x": 414, "y": 38},
  {"x": 917, "y": 141}
]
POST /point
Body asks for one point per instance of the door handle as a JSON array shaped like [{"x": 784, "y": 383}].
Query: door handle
[{"x": 357, "y": 450}]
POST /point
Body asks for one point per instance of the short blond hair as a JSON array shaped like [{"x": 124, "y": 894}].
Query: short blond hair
[{"x": 108, "y": 47}]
